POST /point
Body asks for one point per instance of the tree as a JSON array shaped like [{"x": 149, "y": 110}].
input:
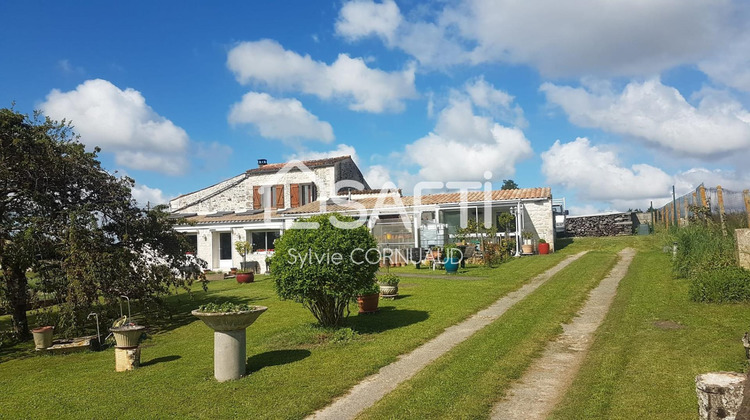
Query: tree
[
  {"x": 325, "y": 268},
  {"x": 509, "y": 184},
  {"x": 75, "y": 224}
]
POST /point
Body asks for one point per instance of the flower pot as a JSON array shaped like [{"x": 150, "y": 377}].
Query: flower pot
[
  {"x": 386, "y": 290},
  {"x": 543, "y": 248},
  {"x": 230, "y": 340},
  {"x": 368, "y": 303},
  {"x": 245, "y": 277},
  {"x": 127, "y": 335},
  {"x": 451, "y": 264},
  {"x": 42, "y": 337},
  {"x": 527, "y": 249}
]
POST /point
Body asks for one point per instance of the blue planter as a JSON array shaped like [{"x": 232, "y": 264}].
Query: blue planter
[{"x": 451, "y": 264}]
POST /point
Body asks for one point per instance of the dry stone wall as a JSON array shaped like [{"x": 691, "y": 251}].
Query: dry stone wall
[{"x": 615, "y": 224}]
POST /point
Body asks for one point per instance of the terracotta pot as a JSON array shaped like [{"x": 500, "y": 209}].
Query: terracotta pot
[
  {"x": 368, "y": 303},
  {"x": 527, "y": 249},
  {"x": 543, "y": 248},
  {"x": 245, "y": 277},
  {"x": 42, "y": 337}
]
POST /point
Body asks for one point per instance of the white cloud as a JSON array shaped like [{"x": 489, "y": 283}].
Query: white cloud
[
  {"x": 68, "y": 68},
  {"x": 144, "y": 195},
  {"x": 572, "y": 38},
  {"x": 596, "y": 173},
  {"x": 499, "y": 103},
  {"x": 120, "y": 122},
  {"x": 428, "y": 42},
  {"x": 660, "y": 115},
  {"x": 359, "y": 19},
  {"x": 283, "y": 119},
  {"x": 378, "y": 176},
  {"x": 464, "y": 146},
  {"x": 268, "y": 63}
]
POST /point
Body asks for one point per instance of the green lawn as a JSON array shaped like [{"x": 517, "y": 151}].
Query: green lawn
[
  {"x": 651, "y": 346},
  {"x": 465, "y": 382},
  {"x": 296, "y": 368},
  {"x": 642, "y": 363}
]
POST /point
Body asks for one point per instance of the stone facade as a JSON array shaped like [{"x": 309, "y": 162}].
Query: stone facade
[
  {"x": 236, "y": 194},
  {"x": 539, "y": 219},
  {"x": 742, "y": 240}
]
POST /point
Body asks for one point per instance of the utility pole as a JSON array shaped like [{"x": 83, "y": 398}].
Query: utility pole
[{"x": 674, "y": 208}]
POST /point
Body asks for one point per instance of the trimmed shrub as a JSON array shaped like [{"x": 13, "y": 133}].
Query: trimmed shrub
[
  {"x": 722, "y": 285},
  {"x": 324, "y": 268}
]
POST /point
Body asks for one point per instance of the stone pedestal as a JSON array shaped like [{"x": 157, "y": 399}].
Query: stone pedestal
[
  {"x": 719, "y": 395},
  {"x": 229, "y": 355},
  {"x": 127, "y": 358},
  {"x": 229, "y": 340},
  {"x": 742, "y": 239}
]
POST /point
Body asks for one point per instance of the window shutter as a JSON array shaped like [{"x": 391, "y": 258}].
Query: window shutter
[
  {"x": 256, "y": 198},
  {"x": 294, "y": 195},
  {"x": 279, "y": 196}
]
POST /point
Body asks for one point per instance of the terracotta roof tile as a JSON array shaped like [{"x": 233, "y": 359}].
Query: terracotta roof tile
[{"x": 430, "y": 199}]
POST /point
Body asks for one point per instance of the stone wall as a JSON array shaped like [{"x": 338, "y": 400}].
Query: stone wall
[
  {"x": 348, "y": 170},
  {"x": 539, "y": 219},
  {"x": 614, "y": 224},
  {"x": 239, "y": 197},
  {"x": 742, "y": 240}
]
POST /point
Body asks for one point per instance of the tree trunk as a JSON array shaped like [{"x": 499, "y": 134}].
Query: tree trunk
[{"x": 18, "y": 299}]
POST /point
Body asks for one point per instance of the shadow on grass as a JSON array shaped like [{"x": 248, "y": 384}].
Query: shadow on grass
[
  {"x": 387, "y": 318},
  {"x": 274, "y": 358},
  {"x": 561, "y": 243},
  {"x": 161, "y": 360}
]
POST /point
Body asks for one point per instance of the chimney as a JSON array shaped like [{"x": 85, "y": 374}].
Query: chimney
[{"x": 262, "y": 162}]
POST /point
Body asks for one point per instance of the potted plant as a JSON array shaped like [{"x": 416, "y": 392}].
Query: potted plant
[
  {"x": 127, "y": 335},
  {"x": 543, "y": 247},
  {"x": 367, "y": 299},
  {"x": 214, "y": 275},
  {"x": 389, "y": 285},
  {"x": 43, "y": 337},
  {"x": 527, "y": 246},
  {"x": 244, "y": 275},
  {"x": 229, "y": 321},
  {"x": 453, "y": 257}
]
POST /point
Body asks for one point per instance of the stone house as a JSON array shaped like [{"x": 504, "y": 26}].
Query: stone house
[
  {"x": 259, "y": 204},
  {"x": 247, "y": 206}
]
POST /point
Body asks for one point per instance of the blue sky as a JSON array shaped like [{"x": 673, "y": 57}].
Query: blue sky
[{"x": 610, "y": 104}]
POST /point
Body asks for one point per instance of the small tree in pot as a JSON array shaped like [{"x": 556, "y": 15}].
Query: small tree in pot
[
  {"x": 244, "y": 275},
  {"x": 325, "y": 268}
]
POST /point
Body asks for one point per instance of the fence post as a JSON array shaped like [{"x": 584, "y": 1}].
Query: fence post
[
  {"x": 746, "y": 194},
  {"x": 703, "y": 196},
  {"x": 720, "y": 195},
  {"x": 678, "y": 213},
  {"x": 687, "y": 210},
  {"x": 669, "y": 215}
]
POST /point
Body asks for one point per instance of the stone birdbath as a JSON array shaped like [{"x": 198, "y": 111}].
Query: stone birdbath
[{"x": 229, "y": 322}]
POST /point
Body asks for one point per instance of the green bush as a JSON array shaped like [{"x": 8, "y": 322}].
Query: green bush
[
  {"x": 702, "y": 248},
  {"x": 389, "y": 280},
  {"x": 324, "y": 268},
  {"x": 726, "y": 284}
]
